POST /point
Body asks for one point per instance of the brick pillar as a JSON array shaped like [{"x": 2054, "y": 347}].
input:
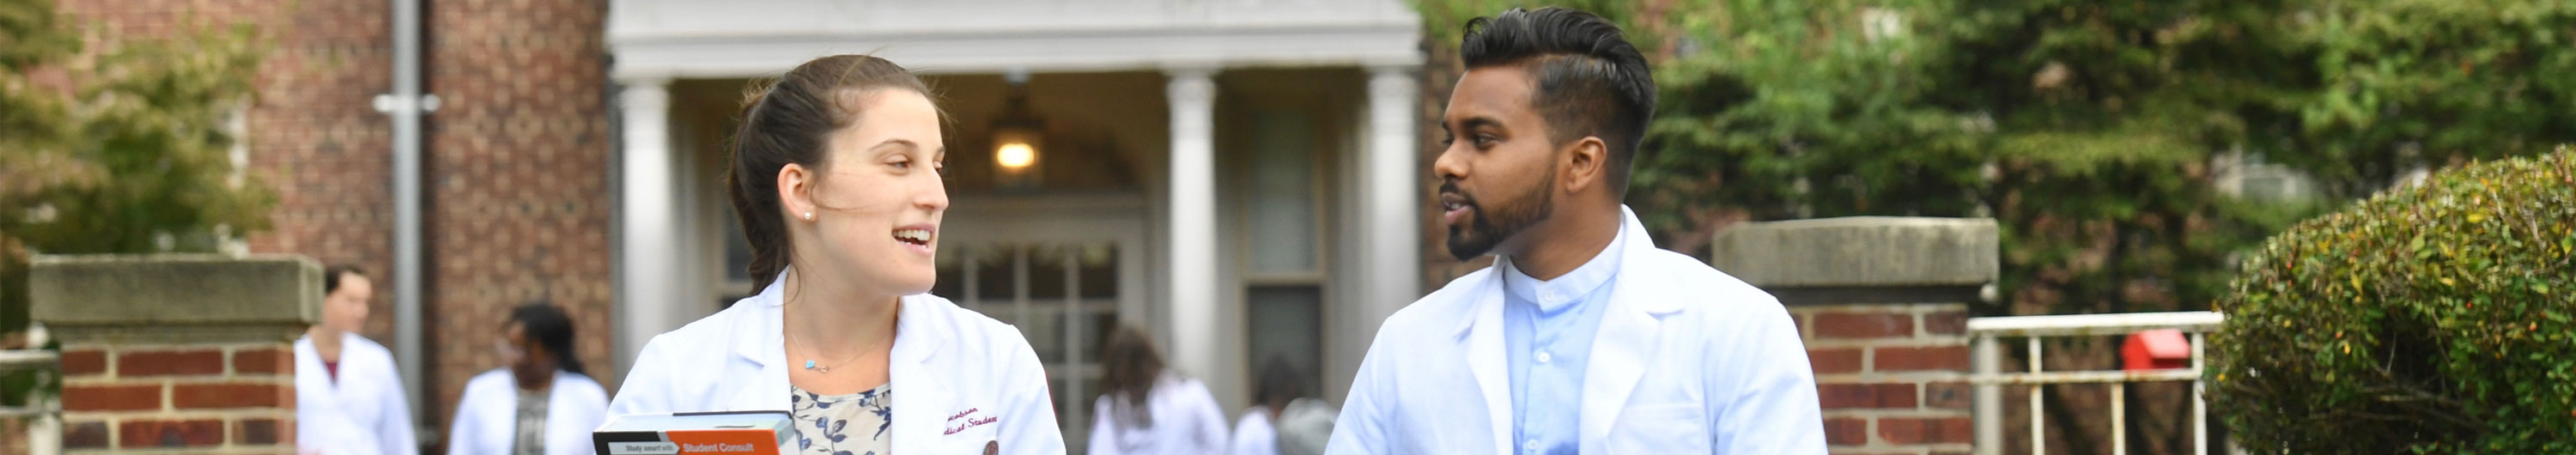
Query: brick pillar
[
  {"x": 177, "y": 353},
  {"x": 1882, "y": 304}
]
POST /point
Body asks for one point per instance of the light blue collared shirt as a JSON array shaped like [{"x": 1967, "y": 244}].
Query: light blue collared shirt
[{"x": 1547, "y": 337}]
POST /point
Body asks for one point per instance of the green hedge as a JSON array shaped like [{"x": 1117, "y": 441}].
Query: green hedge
[{"x": 2432, "y": 318}]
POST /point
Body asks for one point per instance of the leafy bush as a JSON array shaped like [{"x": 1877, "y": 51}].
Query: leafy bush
[{"x": 2432, "y": 318}]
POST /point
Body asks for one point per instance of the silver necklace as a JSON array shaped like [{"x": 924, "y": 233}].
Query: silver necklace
[{"x": 827, "y": 369}]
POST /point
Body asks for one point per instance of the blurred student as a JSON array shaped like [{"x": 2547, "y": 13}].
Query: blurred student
[
  {"x": 1285, "y": 420},
  {"x": 837, "y": 182},
  {"x": 1145, "y": 408},
  {"x": 348, "y": 396},
  {"x": 541, "y": 403}
]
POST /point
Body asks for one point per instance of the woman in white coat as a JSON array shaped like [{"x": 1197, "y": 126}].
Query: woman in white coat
[
  {"x": 541, "y": 403},
  {"x": 1146, "y": 409},
  {"x": 349, "y": 398},
  {"x": 836, "y": 180}
]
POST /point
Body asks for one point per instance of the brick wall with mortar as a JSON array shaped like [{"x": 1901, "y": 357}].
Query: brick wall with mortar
[
  {"x": 518, "y": 167},
  {"x": 177, "y": 353},
  {"x": 1882, "y": 305},
  {"x": 1884, "y": 375}
]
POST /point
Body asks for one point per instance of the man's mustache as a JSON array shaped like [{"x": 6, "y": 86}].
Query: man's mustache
[{"x": 1451, "y": 187}]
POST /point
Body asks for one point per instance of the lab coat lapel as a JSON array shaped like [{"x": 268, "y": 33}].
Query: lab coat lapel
[
  {"x": 1484, "y": 345},
  {"x": 1619, "y": 351},
  {"x": 1630, "y": 328},
  {"x": 355, "y": 384},
  {"x": 309, "y": 358},
  {"x": 758, "y": 340},
  {"x": 922, "y": 401}
]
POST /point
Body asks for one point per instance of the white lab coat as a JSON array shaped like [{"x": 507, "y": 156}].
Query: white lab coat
[
  {"x": 362, "y": 413},
  {"x": 1687, "y": 360},
  {"x": 960, "y": 379},
  {"x": 487, "y": 416},
  {"x": 1253, "y": 434},
  {"x": 1187, "y": 421}
]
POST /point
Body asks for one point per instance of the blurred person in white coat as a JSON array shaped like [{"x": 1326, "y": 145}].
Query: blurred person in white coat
[
  {"x": 540, "y": 403},
  {"x": 348, "y": 394},
  {"x": 837, "y": 180},
  {"x": 1147, "y": 409},
  {"x": 1582, "y": 337},
  {"x": 1284, "y": 420}
]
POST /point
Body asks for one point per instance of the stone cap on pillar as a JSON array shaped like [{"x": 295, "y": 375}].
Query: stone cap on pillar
[
  {"x": 175, "y": 298},
  {"x": 1867, "y": 259}
]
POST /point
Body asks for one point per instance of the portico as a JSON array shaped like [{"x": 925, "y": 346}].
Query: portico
[{"x": 1236, "y": 177}]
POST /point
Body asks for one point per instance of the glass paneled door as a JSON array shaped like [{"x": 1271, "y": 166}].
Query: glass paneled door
[{"x": 1064, "y": 270}]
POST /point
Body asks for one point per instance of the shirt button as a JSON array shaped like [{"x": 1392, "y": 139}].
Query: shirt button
[
  {"x": 1542, "y": 357},
  {"x": 1530, "y": 445}
]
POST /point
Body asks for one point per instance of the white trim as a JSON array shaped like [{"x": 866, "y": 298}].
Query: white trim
[
  {"x": 746, "y": 57},
  {"x": 753, "y": 38}
]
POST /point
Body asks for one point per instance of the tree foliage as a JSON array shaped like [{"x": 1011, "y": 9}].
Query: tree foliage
[
  {"x": 2414, "y": 84},
  {"x": 120, "y": 146}
]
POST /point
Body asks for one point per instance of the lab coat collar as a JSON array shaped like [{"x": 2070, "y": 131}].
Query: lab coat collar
[
  {"x": 764, "y": 343},
  {"x": 1627, "y": 335},
  {"x": 1629, "y": 328},
  {"x": 761, "y": 340},
  {"x": 1634, "y": 245}
]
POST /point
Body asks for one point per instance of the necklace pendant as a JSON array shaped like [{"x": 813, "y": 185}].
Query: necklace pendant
[{"x": 809, "y": 364}]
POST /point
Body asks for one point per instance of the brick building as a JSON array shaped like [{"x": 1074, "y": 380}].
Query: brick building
[{"x": 516, "y": 166}]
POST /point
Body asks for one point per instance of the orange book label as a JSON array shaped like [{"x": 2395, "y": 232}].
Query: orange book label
[{"x": 724, "y": 442}]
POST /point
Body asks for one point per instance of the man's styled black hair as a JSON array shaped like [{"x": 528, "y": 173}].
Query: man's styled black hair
[{"x": 1591, "y": 82}]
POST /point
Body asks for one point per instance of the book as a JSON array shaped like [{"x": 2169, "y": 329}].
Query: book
[{"x": 696, "y": 433}]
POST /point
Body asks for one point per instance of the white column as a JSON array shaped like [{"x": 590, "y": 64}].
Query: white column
[
  {"x": 1192, "y": 245},
  {"x": 1390, "y": 224},
  {"x": 647, "y": 217}
]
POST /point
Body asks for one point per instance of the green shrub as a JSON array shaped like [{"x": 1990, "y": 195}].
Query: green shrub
[{"x": 2432, "y": 318}]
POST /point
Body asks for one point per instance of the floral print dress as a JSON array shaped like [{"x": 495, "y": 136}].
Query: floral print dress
[{"x": 853, "y": 424}]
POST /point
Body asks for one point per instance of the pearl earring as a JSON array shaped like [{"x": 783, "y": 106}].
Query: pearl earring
[{"x": 809, "y": 216}]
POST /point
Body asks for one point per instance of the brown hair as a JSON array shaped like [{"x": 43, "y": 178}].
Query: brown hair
[
  {"x": 791, "y": 120},
  {"x": 1131, "y": 365}
]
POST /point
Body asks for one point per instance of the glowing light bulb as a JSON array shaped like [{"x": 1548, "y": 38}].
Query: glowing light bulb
[{"x": 1015, "y": 155}]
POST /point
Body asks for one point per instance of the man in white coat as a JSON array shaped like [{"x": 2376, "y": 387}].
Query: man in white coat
[
  {"x": 348, "y": 396},
  {"x": 1583, "y": 337}
]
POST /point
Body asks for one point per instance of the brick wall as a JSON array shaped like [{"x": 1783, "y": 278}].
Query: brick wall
[
  {"x": 1885, "y": 375},
  {"x": 177, "y": 353},
  {"x": 200, "y": 397},
  {"x": 1881, "y": 304},
  {"x": 518, "y": 166}
]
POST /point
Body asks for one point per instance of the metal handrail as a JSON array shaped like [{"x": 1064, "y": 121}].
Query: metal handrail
[{"x": 1990, "y": 379}]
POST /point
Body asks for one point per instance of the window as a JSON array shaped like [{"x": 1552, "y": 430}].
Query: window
[
  {"x": 1284, "y": 276},
  {"x": 1063, "y": 296}
]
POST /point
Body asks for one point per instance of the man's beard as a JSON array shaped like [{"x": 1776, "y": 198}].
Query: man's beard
[{"x": 1485, "y": 229}]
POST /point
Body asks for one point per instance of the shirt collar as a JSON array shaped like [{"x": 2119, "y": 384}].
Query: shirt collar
[{"x": 1557, "y": 294}]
